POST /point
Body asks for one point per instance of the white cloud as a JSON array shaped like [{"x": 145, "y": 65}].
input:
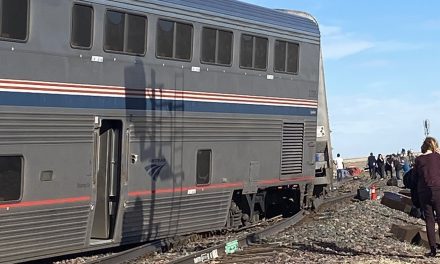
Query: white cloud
[
  {"x": 328, "y": 31},
  {"x": 392, "y": 46},
  {"x": 338, "y": 44}
]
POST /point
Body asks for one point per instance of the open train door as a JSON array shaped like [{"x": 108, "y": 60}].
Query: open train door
[{"x": 108, "y": 175}]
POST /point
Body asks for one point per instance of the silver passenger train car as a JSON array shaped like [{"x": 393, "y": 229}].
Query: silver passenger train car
[{"x": 136, "y": 120}]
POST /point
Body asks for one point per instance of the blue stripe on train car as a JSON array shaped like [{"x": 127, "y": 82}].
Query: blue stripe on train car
[{"x": 98, "y": 102}]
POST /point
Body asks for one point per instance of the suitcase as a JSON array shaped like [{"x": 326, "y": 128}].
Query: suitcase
[
  {"x": 363, "y": 194},
  {"x": 392, "y": 182}
]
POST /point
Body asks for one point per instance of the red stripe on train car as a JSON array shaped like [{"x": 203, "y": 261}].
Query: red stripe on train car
[
  {"x": 297, "y": 179},
  {"x": 184, "y": 189},
  {"x": 46, "y": 202},
  {"x": 120, "y": 90},
  {"x": 150, "y": 94},
  {"x": 217, "y": 186}
]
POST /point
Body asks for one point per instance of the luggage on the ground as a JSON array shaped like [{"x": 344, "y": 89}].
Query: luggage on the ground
[
  {"x": 392, "y": 182},
  {"x": 363, "y": 194}
]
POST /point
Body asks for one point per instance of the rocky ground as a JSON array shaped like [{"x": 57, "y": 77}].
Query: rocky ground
[{"x": 352, "y": 232}]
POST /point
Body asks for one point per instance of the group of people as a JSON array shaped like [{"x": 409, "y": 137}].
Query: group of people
[
  {"x": 400, "y": 163},
  {"x": 424, "y": 174}
]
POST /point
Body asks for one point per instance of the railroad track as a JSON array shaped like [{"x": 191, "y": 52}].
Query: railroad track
[
  {"x": 258, "y": 253},
  {"x": 228, "y": 246}
]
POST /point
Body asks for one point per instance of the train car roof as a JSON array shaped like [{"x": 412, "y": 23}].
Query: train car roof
[{"x": 232, "y": 9}]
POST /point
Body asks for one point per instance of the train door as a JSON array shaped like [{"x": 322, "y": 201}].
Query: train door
[{"x": 108, "y": 174}]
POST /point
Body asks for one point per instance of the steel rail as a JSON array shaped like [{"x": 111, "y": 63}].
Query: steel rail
[{"x": 129, "y": 254}]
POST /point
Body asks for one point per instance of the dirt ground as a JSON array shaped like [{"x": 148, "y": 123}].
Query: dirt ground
[{"x": 356, "y": 162}]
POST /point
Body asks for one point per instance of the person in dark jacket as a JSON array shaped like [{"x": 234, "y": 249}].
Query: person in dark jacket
[
  {"x": 372, "y": 166},
  {"x": 427, "y": 169},
  {"x": 410, "y": 182},
  {"x": 380, "y": 166},
  {"x": 389, "y": 165}
]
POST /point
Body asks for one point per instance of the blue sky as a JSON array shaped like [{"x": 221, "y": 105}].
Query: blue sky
[{"x": 381, "y": 67}]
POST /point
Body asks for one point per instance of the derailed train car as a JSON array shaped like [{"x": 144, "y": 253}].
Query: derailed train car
[{"x": 130, "y": 121}]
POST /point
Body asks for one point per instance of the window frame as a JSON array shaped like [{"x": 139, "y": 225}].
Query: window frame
[
  {"x": 210, "y": 167},
  {"x": 92, "y": 27},
  {"x": 125, "y": 33},
  {"x": 285, "y": 57},
  {"x": 20, "y": 198},
  {"x": 191, "y": 55},
  {"x": 217, "y": 30},
  {"x": 27, "y": 28},
  {"x": 253, "y": 52}
]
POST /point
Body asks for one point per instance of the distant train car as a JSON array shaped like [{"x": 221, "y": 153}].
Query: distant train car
[{"x": 130, "y": 121}]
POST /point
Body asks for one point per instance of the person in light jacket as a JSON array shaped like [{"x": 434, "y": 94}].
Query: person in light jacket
[{"x": 339, "y": 162}]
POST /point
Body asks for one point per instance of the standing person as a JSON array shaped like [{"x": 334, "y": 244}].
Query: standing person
[
  {"x": 427, "y": 169},
  {"x": 397, "y": 165},
  {"x": 411, "y": 158},
  {"x": 380, "y": 166},
  {"x": 372, "y": 166},
  {"x": 405, "y": 163},
  {"x": 389, "y": 165},
  {"x": 339, "y": 162}
]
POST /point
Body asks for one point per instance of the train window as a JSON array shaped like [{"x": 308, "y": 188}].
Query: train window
[
  {"x": 82, "y": 26},
  {"x": 253, "y": 53},
  {"x": 125, "y": 33},
  {"x": 246, "y": 51},
  {"x": 286, "y": 57},
  {"x": 292, "y": 57},
  {"x": 224, "y": 50},
  {"x": 174, "y": 40},
  {"x": 216, "y": 46},
  {"x": 203, "y": 166},
  {"x": 14, "y": 19},
  {"x": 280, "y": 56},
  {"x": 136, "y": 34},
  {"x": 183, "y": 41},
  {"x": 165, "y": 35},
  {"x": 114, "y": 31},
  {"x": 209, "y": 41},
  {"x": 260, "y": 54},
  {"x": 10, "y": 178}
]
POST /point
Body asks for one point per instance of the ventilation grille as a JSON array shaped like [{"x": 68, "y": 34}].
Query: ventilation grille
[{"x": 292, "y": 150}]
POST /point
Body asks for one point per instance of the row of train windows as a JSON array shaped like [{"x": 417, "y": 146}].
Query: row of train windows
[
  {"x": 127, "y": 33},
  {"x": 11, "y": 168}
]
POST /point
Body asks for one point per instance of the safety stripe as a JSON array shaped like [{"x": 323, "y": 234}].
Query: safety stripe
[
  {"x": 185, "y": 189},
  {"x": 218, "y": 186},
  {"x": 45, "y": 202},
  {"x": 273, "y": 181},
  {"x": 93, "y": 102},
  {"x": 21, "y": 86},
  {"x": 150, "y": 192}
]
